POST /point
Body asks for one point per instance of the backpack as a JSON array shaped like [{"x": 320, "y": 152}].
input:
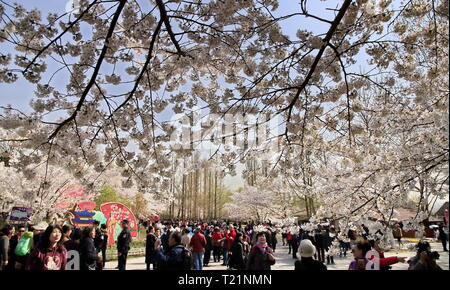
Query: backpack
[
  {"x": 186, "y": 257},
  {"x": 24, "y": 245}
]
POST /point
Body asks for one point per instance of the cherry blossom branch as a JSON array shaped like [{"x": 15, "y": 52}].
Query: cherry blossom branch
[{"x": 96, "y": 69}]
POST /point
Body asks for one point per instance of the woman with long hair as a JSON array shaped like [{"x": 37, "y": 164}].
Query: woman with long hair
[
  {"x": 237, "y": 258},
  {"x": 50, "y": 254}
]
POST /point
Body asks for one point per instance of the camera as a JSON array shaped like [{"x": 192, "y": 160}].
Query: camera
[{"x": 434, "y": 255}]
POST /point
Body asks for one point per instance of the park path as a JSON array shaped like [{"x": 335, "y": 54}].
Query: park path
[{"x": 284, "y": 261}]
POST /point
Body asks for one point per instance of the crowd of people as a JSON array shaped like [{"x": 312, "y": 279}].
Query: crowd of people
[
  {"x": 48, "y": 247},
  {"x": 314, "y": 247},
  {"x": 186, "y": 245}
]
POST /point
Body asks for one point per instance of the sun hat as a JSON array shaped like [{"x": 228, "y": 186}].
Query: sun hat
[{"x": 307, "y": 249}]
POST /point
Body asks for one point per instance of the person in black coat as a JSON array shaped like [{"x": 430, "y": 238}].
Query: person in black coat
[
  {"x": 175, "y": 257},
  {"x": 165, "y": 238},
  {"x": 274, "y": 240},
  {"x": 104, "y": 245},
  {"x": 320, "y": 247},
  {"x": 123, "y": 245},
  {"x": 295, "y": 242},
  {"x": 237, "y": 258},
  {"x": 150, "y": 247},
  {"x": 88, "y": 252},
  {"x": 208, "y": 248},
  {"x": 306, "y": 262},
  {"x": 328, "y": 238},
  {"x": 443, "y": 237},
  {"x": 98, "y": 241}
]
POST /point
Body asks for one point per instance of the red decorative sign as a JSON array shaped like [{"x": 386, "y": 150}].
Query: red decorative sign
[
  {"x": 70, "y": 195},
  {"x": 87, "y": 205},
  {"x": 74, "y": 191},
  {"x": 115, "y": 213}
]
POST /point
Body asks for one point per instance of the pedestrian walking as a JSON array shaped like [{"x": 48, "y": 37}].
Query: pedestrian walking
[
  {"x": 208, "y": 247},
  {"x": 443, "y": 237},
  {"x": 150, "y": 242},
  {"x": 198, "y": 244},
  {"x": 306, "y": 262}
]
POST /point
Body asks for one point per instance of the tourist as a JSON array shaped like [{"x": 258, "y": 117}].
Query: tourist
[
  {"x": 217, "y": 239},
  {"x": 12, "y": 257},
  {"x": 123, "y": 245},
  {"x": 443, "y": 237},
  {"x": 208, "y": 247},
  {"x": 360, "y": 250},
  {"x": 38, "y": 231},
  {"x": 289, "y": 241},
  {"x": 185, "y": 238},
  {"x": 69, "y": 244},
  {"x": 88, "y": 251},
  {"x": 22, "y": 250},
  {"x": 261, "y": 256},
  {"x": 158, "y": 233},
  {"x": 5, "y": 236},
  {"x": 306, "y": 262},
  {"x": 343, "y": 247},
  {"x": 165, "y": 238},
  {"x": 104, "y": 246},
  {"x": 375, "y": 244},
  {"x": 397, "y": 233},
  {"x": 198, "y": 244},
  {"x": 320, "y": 244},
  {"x": 328, "y": 239},
  {"x": 50, "y": 253},
  {"x": 175, "y": 257},
  {"x": 351, "y": 234},
  {"x": 284, "y": 236},
  {"x": 425, "y": 259},
  {"x": 98, "y": 240},
  {"x": 295, "y": 242},
  {"x": 274, "y": 240},
  {"x": 237, "y": 258},
  {"x": 228, "y": 242},
  {"x": 150, "y": 247}
]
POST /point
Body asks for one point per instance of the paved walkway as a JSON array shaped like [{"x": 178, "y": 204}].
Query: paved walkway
[{"x": 286, "y": 262}]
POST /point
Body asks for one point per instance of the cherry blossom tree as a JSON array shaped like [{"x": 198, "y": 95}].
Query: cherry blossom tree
[{"x": 363, "y": 98}]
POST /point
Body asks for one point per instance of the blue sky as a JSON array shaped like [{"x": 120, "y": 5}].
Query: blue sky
[{"x": 21, "y": 92}]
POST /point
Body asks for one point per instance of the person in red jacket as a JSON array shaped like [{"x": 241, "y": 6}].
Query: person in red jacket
[
  {"x": 289, "y": 241},
  {"x": 229, "y": 236},
  {"x": 360, "y": 250},
  {"x": 198, "y": 243},
  {"x": 376, "y": 246},
  {"x": 217, "y": 239}
]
